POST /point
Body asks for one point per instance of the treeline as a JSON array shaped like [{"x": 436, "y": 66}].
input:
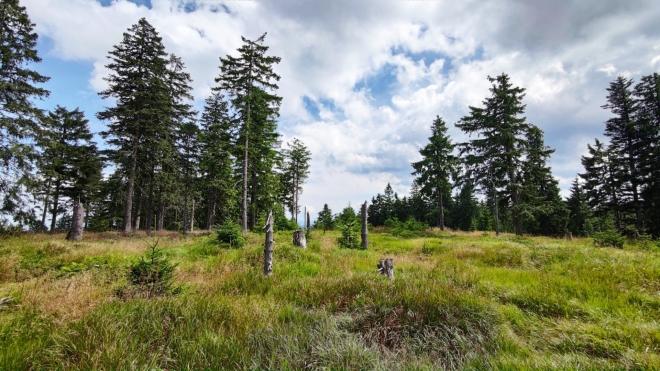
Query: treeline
[
  {"x": 166, "y": 165},
  {"x": 506, "y": 162}
]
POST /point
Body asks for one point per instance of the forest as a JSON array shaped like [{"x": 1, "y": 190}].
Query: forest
[
  {"x": 164, "y": 166},
  {"x": 187, "y": 261}
]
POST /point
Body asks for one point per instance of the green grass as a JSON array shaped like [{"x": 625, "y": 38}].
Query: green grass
[{"x": 459, "y": 301}]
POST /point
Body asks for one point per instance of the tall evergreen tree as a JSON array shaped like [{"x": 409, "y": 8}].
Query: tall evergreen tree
[
  {"x": 216, "y": 162},
  {"x": 602, "y": 187},
  {"x": 238, "y": 78},
  {"x": 69, "y": 161},
  {"x": 437, "y": 166},
  {"x": 296, "y": 172},
  {"x": 627, "y": 140},
  {"x": 325, "y": 218},
  {"x": 139, "y": 84},
  {"x": 579, "y": 211},
  {"x": 19, "y": 118},
  {"x": 647, "y": 117},
  {"x": 543, "y": 210},
  {"x": 494, "y": 159}
]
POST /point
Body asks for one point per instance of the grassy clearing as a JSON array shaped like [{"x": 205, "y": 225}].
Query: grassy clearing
[{"x": 459, "y": 301}]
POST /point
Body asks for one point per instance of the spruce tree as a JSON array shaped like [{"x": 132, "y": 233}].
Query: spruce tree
[
  {"x": 467, "y": 208},
  {"x": 19, "y": 118},
  {"x": 138, "y": 82},
  {"x": 324, "y": 218},
  {"x": 238, "y": 78},
  {"x": 296, "y": 172},
  {"x": 216, "y": 162},
  {"x": 647, "y": 117},
  {"x": 627, "y": 140},
  {"x": 544, "y": 211},
  {"x": 601, "y": 186},
  {"x": 69, "y": 161},
  {"x": 579, "y": 211},
  {"x": 437, "y": 166},
  {"x": 493, "y": 159}
]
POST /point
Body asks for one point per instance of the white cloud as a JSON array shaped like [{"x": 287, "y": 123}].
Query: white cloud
[{"x": 564, "y": 55}]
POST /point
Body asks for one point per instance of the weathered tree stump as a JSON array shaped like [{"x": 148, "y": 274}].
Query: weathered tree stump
[
  {"x": 386, "y": 268},
  {"x": 299, "y": 239},
  {"x": 569, "y": 236},
  {"x": 76, "y": 231},
  {"x": 365, "y": 232},
  {"x": 268, "y": 249},
  {"x": 309, "y": 224}
]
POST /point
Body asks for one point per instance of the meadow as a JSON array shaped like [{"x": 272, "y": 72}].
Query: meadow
[{"x": 459, "y": 301}]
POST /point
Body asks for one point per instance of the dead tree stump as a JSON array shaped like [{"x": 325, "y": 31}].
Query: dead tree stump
[
  {"x": 386, "y": 268},
  {"x": 76, "y": 231},
  {"x": 268, "y": 249},
  {"x": 309, "y": 224},
  {"x": 569, "y": 236},
  {"x": 299, "y": 239},
  {"x": 365, "y": 231}
]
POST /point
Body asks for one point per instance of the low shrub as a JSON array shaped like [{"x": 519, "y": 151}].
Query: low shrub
[
  {"x": 609, "y": 239},
  {"x": 230, "y": 236},
  {"x": 349, "y": 235},
  {"x": 151, "y": 275}
]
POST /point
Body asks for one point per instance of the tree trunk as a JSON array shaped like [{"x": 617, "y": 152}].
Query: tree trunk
[
  {"x": 184, "y": 225},
  {"x": 56, "y": 201},
  {"x": 160, "y": 215},
  {"x": 515, "y": 203},
  {"x": 128, "y": 207},
  {"x": 442, "y": 212},
  {"x": 268, "y": 248},
  {"x": 76, "y": 232},
  {"x": 299, "y": 239},
  {"x": 497, "y": 216},
  {"x": 386, "y": 268},
  {"x": 365, "y": 231},
  {"x": 43, "y": 216},
  {"x": 150, "y": 207},
  {"x": 210, "y": 212},
  {"x": 138, "y": 211},
  {"x": 192, "y": 216},
  {"x": 245, "y": 174}
]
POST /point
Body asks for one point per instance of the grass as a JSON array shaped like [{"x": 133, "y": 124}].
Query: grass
[{"x": 459, "y": 301}]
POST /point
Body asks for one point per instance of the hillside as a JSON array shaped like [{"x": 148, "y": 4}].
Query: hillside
[{"x": 458, "y": 301}]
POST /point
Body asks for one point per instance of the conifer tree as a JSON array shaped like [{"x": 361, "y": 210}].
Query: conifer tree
[
  {"x": 69, "y": 161},
  {"x": 325, "y": 218},
  {"x": 143, "y": 102},
  {"x": 544, "y": 212},
  {"x": 493, "y": 159},
  {"x": 296, "y": 172},
  {"x": 238, "y": 78},
  {"x": 216, "y": 162},
  {"x": 626, "y": 143},
  {"x": 647, "y": 117},
  {"x": 602, "y": 188},
  {"x": 19, "y": 118},
  {"x": 437, "y": 166},
  {"x": 579, "y": 211},
  {"x": 467, "y": 207}
]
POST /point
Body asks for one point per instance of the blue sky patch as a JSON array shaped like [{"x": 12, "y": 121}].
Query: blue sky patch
[
  {"x": 312, "y": 108},
  {"x": 379, "y": 86},
  {"x": 146, "y": 3}
]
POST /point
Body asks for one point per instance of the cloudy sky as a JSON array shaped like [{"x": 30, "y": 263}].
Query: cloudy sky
[{"x": 362, "y": 80}]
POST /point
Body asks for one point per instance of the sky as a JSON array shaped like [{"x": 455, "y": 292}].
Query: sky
[{"x": 362, "y": 80}]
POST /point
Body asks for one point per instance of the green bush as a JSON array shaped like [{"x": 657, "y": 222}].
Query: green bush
[
  {"x": 408, "y": 229},
  {"x": 609, "y": 238},
  {"x": 152, "y": 274},
  {"x": 230, "y": 236},
  {"x": 349, "y": 235}
]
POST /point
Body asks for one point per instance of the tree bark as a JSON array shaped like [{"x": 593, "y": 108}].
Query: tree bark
[
  {"x": 268, "y": 247},
  {"x": 299, "y": 239},
  {"x": 210, "y": 213},
  {"x": 56, "y": 200},
  {"x": 442, "y": 212},
  {"x": 245, "y": 173},
  {"x": 128, "y": 207},
  {"x": 138, "y": 211},
  {"x": 76, "y": 232},
  {"x": 386, "y": 268},
  {"x": 192, "y": 216},
  {"x": 365, "y": 231},
  {"x": 497, "y": 216},
  {"x": 150, "y": 207}
]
